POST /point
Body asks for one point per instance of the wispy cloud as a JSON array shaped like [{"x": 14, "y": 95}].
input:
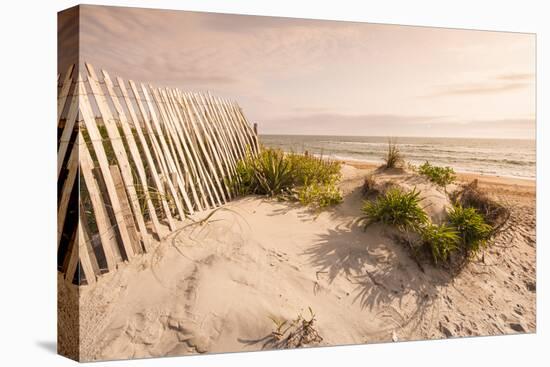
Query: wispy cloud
[
  {"x": 496, "y": 84},
  {"x": 516, "y": 76}
]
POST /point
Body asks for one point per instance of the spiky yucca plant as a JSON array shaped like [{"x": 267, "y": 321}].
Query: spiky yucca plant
[{"x": 273, "y": 172}]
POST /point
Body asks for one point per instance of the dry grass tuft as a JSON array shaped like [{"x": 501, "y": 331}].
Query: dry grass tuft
[
  {"x": 495, "y": 213},
  {"x": 394, "y": 158},
  {"x": 297, "y": 333}
]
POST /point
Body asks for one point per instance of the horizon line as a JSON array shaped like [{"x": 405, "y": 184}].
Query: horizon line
[{"x": 400, "y": 136}]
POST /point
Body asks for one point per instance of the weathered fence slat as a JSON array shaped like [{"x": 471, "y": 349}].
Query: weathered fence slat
[
  {"x": 97, "y": 143},
  {"x": 68, "y": 129},
  {"x": 198, "y": 124},
  {"x": 125, "y": 207},
  {"x": 148, "y": 157},
  {"x": 184, "y": 172},
  {"x": 63, "y": 94},
  {"x": 119, "y": 151},
  {"x": 184, "y": 124},
  {"x": 134, "y": 152},
  {"x": 199, "y": 181},
  {"x": 68, "y": 186},
  {"x": 106, "y": 234},
  {"x": 160, "y": 148}
]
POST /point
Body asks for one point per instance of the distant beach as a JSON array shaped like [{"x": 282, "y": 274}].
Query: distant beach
[{"x": 494, "y": 157}]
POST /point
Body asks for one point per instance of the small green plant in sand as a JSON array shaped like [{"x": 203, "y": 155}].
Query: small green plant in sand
[
  {"x": 441, "y": 176},
  {"x": 319, "y": 195},
  {"x": 441, "y": 239},
  {"x": 308, "y": 179},
  {"x": 393, "y": 157},
  {"x": 474, "y": 231},
  {"x": 308, "y": 169},
  {"x": 396, "y": 208},
  {"x": 297, "y": 333}
]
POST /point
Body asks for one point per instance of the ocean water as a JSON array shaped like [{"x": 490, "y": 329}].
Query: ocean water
[{"x": 501, "y": 157}]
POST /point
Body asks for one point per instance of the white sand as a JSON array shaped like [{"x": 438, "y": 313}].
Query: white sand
[{"x": 213, "y": 287}]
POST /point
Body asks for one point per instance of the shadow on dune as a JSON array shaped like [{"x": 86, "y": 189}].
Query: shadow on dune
[{"x": 383, "y": 272}]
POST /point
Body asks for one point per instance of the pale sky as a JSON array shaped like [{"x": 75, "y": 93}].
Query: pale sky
[{"x": 316, "y": 77}]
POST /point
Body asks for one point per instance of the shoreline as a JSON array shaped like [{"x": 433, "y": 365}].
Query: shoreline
[{"x": 461, "y": 175}]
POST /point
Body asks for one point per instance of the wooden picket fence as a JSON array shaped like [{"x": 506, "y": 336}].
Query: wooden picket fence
[{"x": 133, "y": 160}]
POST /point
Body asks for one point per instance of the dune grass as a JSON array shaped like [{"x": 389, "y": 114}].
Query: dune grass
[
  {"x": 308, "y": 179},
  {"x": 396, "y": 208},
  {"x": 441, "y": 239},
  {"x": 495, "y": 213},
  {"x": 472, "y": 227},
  {"x": 441, "y": 176},
  {"x": 394, "y": 158}
]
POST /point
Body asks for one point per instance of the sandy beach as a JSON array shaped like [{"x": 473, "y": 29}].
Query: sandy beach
[{"x": 218, "y": 285}]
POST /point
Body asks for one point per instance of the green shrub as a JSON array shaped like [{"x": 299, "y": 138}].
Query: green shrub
[
  {"x": 441, "y": 239},
  {"x": 393, "y": 158},
  {"x": 471, "y": 225},
  {"x": 441, "y": 176},
  {"x": 396, "y": 208},
  {"x": 308, "y": 179},
  {"x": 319, "y": 195},
  {"x": 307, "y": 169}
]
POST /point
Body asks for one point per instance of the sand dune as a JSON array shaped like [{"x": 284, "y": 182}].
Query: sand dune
[{"x": 216, "y": 286}]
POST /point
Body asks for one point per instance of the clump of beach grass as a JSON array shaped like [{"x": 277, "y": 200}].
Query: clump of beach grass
[
  {"x": 307, "y": 179},
  {"x": 495, "y": 213},
  {"x": 472, "y": 227},
  {"x": 441, "y": 176},
  {"x": 394, "y": 158},
  {"x": 396, "y": 208},
  {"x": 441, "y": 239},
  {"x": 322, "y": 195}
]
